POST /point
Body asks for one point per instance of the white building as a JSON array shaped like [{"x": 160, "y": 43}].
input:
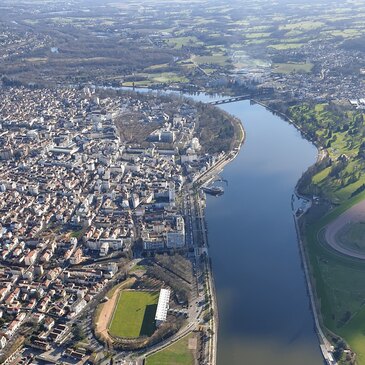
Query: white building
[
  {"x": 172, "y": 192},
  {"x": 77, "y": 307},
  {"x": 104, "y": 248},
  {"x": 3, "y": 342},
  {"x": 162, "y": 306}
]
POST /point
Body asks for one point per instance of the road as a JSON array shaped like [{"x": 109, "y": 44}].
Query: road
[{"x": 212, "y": 330}]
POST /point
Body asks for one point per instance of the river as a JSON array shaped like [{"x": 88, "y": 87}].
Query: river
[{"x": 264, "y": 309}]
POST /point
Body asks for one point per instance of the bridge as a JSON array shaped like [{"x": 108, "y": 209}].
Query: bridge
[{"x": 230, "y": 100}]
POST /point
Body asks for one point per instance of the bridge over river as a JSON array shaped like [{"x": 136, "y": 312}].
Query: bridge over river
[{"x": 230, "y": 100}]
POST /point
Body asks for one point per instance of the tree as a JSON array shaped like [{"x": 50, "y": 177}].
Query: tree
[
  {"x": 340, "y": 346},
  {"x": 78, "y": 333}
]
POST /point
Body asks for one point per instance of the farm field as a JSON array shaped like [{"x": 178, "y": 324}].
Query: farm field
[{"x": 285, "y": 68}]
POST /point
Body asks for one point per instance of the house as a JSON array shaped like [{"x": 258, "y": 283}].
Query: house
[
  {"x": 3, "y": 342},
  {"x": 77, "y": 257},
  {"x": 30, "y": 258}
]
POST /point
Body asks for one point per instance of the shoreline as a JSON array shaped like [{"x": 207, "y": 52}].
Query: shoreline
[
  {"x": 324, "y": 344},
  {"x": 217, "y": 168}
]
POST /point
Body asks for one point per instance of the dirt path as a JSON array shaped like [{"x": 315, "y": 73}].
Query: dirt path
[
  {"x": 107, "y": 309},
  {"x": 352, "y": 215}
]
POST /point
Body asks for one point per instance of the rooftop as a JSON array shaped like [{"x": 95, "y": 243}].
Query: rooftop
[{"x": 163, "y": 305}]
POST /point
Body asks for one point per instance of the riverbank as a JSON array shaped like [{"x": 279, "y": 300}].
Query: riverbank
[
  {"x": 347, "y": 271},
  {"x": 325, "y": 345},
  {"x": 204, "y": 178},
  {"x": 219, "y": 165}
]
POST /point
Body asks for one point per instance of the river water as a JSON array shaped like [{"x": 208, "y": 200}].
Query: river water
[{"x": 264, "y": 311}]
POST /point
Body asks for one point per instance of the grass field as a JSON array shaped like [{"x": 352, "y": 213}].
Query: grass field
[
  {"x": 285, "y": 46},
  {"x": 305, "y": 25},
  {"x": 322, "y": 120},
  {"x": 146, "y": 79},
  {"x": 354, "y": 333},
  {"x": 167, "y": 77},
  {"x": 134, "y": 314},
  {"x": 179, "y": 42},
  {"x": 285, "y": 68},
  {"x": 257, "y": 35},
  {"x": 339, "y": 282},
  {"x": 214, "y": 59},
  {"x": 347, "y": 33},
  {"x": 176, "y": 354}
]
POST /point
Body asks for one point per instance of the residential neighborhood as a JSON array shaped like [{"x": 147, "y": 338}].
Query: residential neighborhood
[{"x": 77, "y": 202}]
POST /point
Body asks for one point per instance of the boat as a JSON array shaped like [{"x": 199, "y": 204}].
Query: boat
[{"x": 213, "y": 190}]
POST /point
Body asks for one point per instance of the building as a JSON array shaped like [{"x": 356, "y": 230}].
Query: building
[
  {"x": 77, "y": 257},
  {"x": 154, "y": 244},
  {"x": 172, "y": 192},
  {"x": 176, "y": 239},
  {"x": 30, "y": 258},
  {"x": 167, "y": 136},
  {"x": 162, "y": 306},
  {"x": 77, "y": 307},
  {"x": 3, "y": 342},
  {"x": 104, "y": 248}
]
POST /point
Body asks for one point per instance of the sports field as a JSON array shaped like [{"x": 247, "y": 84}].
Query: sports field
[
  {"x": 180, "y": 353},
  {"x": 134, "y": 314}
]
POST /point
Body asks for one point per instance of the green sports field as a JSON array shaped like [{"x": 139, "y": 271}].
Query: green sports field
[
  {"x": 134, "y": 314},
  {"x": 176, "y": 354}
]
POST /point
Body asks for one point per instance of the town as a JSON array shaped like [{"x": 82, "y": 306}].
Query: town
[
  {"x": 79, "y": 206},
  {"x": 116, "y": 121}
]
